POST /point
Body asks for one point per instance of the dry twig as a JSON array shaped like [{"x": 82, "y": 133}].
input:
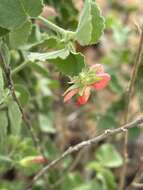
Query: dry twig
[
  {"x": 70, "y": 150},
  {"x": 128, "y": 96}
]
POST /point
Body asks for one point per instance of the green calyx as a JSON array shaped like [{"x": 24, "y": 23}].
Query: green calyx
[
  {"x": 86, "y": 78},
  {"x": 27, "y": 161}
]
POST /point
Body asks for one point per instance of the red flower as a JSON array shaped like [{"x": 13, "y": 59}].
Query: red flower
[{"x": 93, "y": 78}]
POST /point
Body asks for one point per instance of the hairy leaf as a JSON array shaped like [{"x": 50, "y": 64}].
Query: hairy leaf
[
  {"x": 107, "y": 179},
  {"x": 1, "y": 84},
  {"x": 19, "y": 37},
  {"x": 33, "y": 7},
  {"x": 63, "y": 53},
  {"x": 91, "y": 24},
  {"x": 15, "y": 117},
  {"x": 3, "y": 130},
  {"x": 108, "y": 156},
  {"x": 72, "y": 65},
  {"x": 24, "y": 95},
  {"x": 13, "y": 13}
]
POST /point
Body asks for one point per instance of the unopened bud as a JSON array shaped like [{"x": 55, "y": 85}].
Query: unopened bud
[{"x": 27, "y": 161}]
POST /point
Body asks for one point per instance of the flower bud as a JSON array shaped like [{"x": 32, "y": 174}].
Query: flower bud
[{"x": 27, "y": 161}]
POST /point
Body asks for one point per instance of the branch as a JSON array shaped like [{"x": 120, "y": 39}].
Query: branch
[
  {"x": 7, "y": 71},
  {"x": 138, "y": 61},
  {"x": 70, "y": 150}
]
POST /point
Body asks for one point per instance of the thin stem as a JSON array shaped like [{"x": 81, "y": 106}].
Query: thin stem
[
  {"x": 136, "y": 178},
  {"x": 57, "y": 29},
  {"x": 70, "y": 150},
  {"x": 7, "y": 71},
  {"x": 20, "y": 67},
  {"x": 128, "y": 96},
  {"x": 52, "y": 26}
]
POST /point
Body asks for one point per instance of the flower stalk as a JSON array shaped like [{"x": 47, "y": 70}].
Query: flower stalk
[{"x": 66, "y": 34}]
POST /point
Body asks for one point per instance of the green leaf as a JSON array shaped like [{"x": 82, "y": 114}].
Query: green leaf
[
  {"x": 115, "y": 84},
  {"x": 104, "y": 175},
  {"x": 5, "y": 53},
  {"x": 72, "y": 180},
  {"x": 15, "y": 12},
  {"x": 46, "y": 123},
  {"x": 106, "y": 121},
  {"x": 3, "y": 31},
  {"x": 120, "y": 34},
  {"x": 49, "y": 42},
  {"x": 134, "y": 133},
  {"x": 24, "y": 95},
  {"x": 12, "y": 14},
  {"x": 15, "y": 117},
  {"x": 5, "y": 159},
  {"x": 35, "y": 35},
  {"x": 3, "y": 130},
  {"x": 39, "y": 68},
  {"x": 43, "y": 87},
  {"x": 94, "y": 165},
  {"x": 84, "y": 30},
  {"x": 63, "y": 53},
  {"x": 107, "y": 178},
  {"x": 33, "y": 7},
  {"x": 72, "y": 65},
  {"x": 19, "y": 37},
  {"x": 91, "y": 24},
  {"x": 90, "y": 185},
  {"x": 67, "y": 62},
  {"x": 98, "y": 23},
  {"x": 108, "y": 156},
  {"x": 1, "y": 84}
]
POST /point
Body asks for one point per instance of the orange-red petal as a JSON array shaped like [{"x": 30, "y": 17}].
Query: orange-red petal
[
  {"x": 104, "y": 81},
  {"x": 98, "y": 68},
  {"x": 70, "y": 94},
  {"x": 39, "y": 160},
  {"x": 84, "y": 98}
]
